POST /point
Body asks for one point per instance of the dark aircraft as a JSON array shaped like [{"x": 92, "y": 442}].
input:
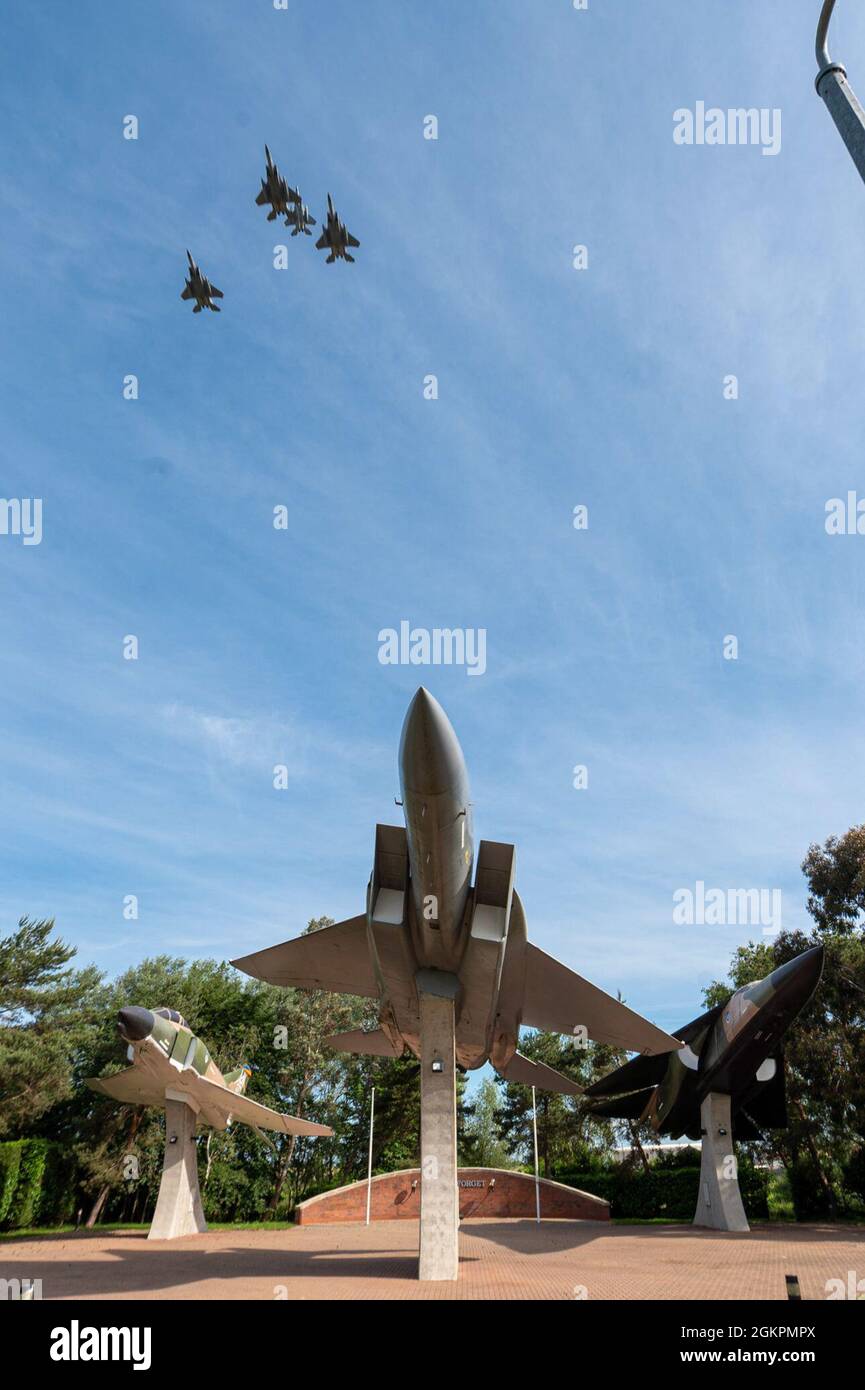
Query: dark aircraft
[
  {"x": 427, "y": 929},
  {"x": 734, "y": 1050},
  {"x": 300, "y": 219},
  {"x": 199, "y": 288},
  {"x": 275, "y": 190},
  {"x": 336, "y": 236}
]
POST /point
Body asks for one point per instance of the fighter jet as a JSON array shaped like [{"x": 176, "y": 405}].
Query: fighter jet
[
  {"x": 276, "y": 191},
  {"x": 336, "y": 236},
  {"x": 199, "y": 288},
  {"x": 428, "y": 927},
  {"x": 165, "y": 1056},
  {"x": 300, "y": 220},
  {"x": 733, "y": 1049}
]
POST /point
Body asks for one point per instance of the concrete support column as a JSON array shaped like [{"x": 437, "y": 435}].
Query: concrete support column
[
  {"x": 178, "y": 1209},
  {"x": 439, "y": 1196},
  {"x": 719, "y": 1204}
]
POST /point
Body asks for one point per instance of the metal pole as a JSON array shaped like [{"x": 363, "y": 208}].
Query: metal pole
[
  {"x": 369, "y": 1161},
  {"x": 537, "y": 1176},
  {"x": 823, "y": 59},
  {"x": 833, "y": 87}
]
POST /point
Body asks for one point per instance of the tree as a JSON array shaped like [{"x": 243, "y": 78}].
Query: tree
[
  {"x": 47, "y": 1013},
  {"x": 484, "y": 1146}
]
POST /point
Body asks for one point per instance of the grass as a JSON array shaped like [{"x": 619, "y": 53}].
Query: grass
[
  {"x": 780, "y": 1197},
  {"x": 108, "y": 1226}
]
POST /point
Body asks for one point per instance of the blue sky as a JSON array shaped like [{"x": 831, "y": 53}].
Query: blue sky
[{"x": 556, "y": 388}]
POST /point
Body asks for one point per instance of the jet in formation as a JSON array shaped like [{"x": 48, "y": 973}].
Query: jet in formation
[
  {"x": 336, "y": 237},
  {"x": 300, "y": 220},
  {"x": 733, "y": 1049},
  {"x": 199, "y": 288},
  {"x": 276, "y": 191},
  {"x": 165, "y": 1056},
  {"x": 441, "y": 919}
]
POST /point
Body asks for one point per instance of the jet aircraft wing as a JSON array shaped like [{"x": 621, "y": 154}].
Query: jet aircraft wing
[
  {"x": 229, "y": 1104},
  {"x": 633, "y": 1075},
  {"x": 322, "y": 242},
  {"x": 215, "y": 293},
  {"x": 528, "y": 1073},
  {"x": 333, "y": 958},
  {"x": 625, "y": 1107},
  {"x": 557, "y": 1000},
  {"x": 351, "y": 240},
  {"x": 186, "y": 294},
  {"x": 132, "y": 1086}
]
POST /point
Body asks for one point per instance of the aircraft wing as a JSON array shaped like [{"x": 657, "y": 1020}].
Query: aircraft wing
[
  {"x": 131, "y": 1086},
  {"x": 528, "y": 1073},
  {"x": 186, "y": 294},
  {"x": 334, "y": 958},
  {"x": 215, "y": 293},
  {"x": 351, "y": 240},
  {"x": 322, "y": 242},
  {"x": 229, "y": 1104},
  {"x": 262, "y": 198},
  {"x": 634, "y": 1075},
  {"x": 625, "y": 1107},
  {"x": 557, "y": 1000}
]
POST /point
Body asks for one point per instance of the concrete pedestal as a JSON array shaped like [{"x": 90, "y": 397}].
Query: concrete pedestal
[
  {"x": 719, "y": 1204},
  {"x": 439, "y": 1211},
  {"x": 178, "y": 1209}
]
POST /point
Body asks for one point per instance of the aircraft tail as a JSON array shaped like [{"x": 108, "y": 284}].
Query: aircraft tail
[
  {"x": 237, "y": 1081},
  {"x": 528, "y": 1073}
]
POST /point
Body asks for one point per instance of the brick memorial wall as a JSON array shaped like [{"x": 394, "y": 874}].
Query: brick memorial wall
[{"x": 488, "y": 1192}]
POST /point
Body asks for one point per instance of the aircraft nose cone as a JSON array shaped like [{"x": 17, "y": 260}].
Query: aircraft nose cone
[
  {"x": 430, "y": 757},
  {"x": 798, "y": 979},
  {"x": 135, "y": 1024}
]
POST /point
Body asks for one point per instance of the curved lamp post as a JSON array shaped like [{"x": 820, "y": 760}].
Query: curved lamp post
[{"x": 833, "y": 87}]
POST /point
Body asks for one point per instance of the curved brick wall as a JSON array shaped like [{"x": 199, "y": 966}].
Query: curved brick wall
[{"x": 492, "y": 1192}]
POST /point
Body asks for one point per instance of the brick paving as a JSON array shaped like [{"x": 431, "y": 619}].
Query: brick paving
[{"x": 506, "y": 1259}]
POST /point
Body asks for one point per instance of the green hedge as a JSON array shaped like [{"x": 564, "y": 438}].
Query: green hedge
[
  {"x": 669, "y": 1193},
  {"x": 37, "y": 1184}
]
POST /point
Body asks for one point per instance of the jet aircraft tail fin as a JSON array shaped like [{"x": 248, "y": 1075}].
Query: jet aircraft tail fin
[
  {"x": 528, "y": 1073},
  {"x": 557, "y": 1000},
  {"x": 372, "y": 1044}
]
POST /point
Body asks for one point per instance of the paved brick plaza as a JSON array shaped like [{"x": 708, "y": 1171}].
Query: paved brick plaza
[{"x": 498, "y": 1259}]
